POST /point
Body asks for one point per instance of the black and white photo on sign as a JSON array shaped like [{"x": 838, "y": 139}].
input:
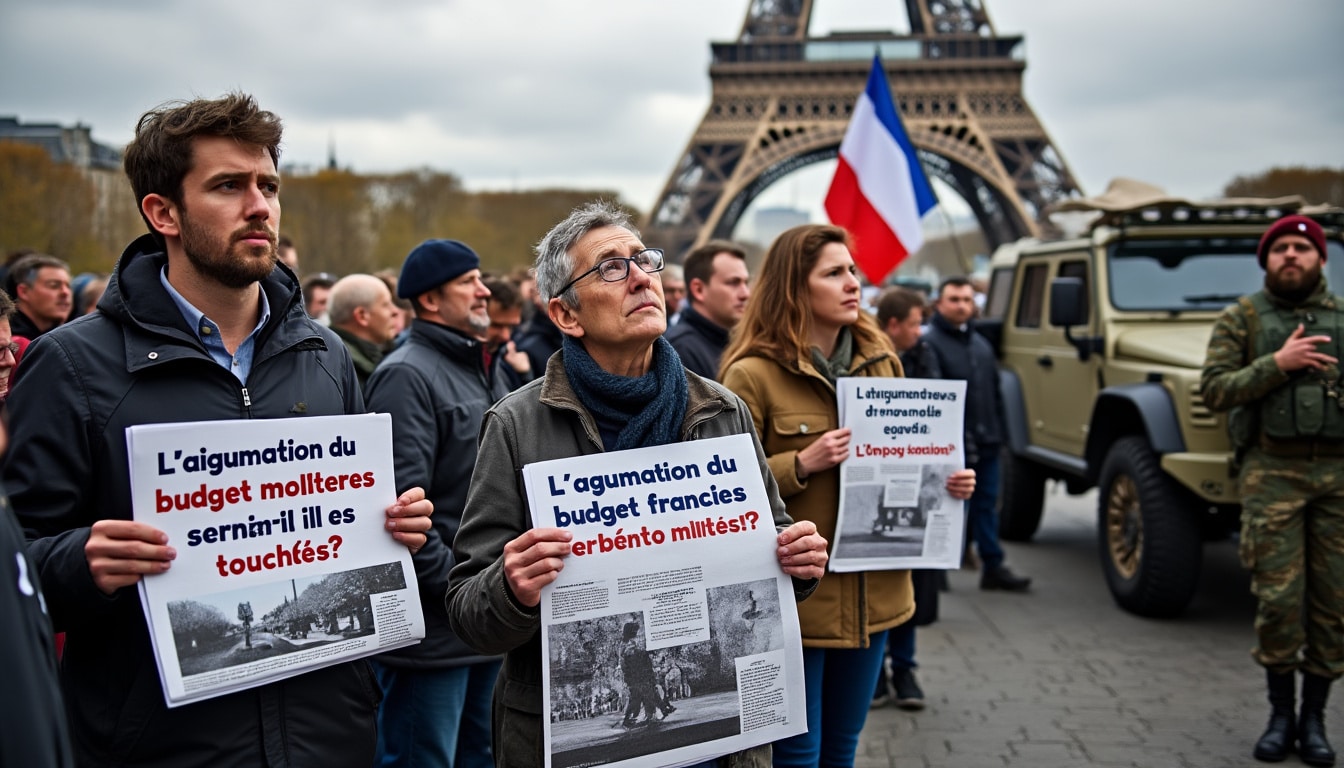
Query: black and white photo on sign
[
  {"x": 227, "y": 629},
  {"x": 906, "y": 440},
  {"x": 280, "y": 531},
  {"x": 888, "y": 516},
  {"x": 671, "y": 635},
  {"x": 614, "y": 697}
]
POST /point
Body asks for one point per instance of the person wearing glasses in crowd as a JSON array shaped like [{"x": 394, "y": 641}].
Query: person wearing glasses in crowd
[
  {"x": 615, "y": 384},
  {"x": 506, "y": 314},
  {"x": 9, "y": 348}
]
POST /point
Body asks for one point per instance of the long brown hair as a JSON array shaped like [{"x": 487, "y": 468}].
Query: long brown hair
[{"x": 778, "y": 320}]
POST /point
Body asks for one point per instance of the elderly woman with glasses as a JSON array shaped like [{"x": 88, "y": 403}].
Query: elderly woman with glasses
[{"x": 615, "y": 384}]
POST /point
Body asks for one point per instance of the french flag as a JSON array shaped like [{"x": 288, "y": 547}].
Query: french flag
[{"x": 879, "y": 191}]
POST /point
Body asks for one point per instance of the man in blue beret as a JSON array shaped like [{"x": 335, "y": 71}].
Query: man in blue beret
[{"x": 437, "y": 387}]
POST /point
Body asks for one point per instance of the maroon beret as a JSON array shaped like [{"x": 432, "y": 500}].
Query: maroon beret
[{"x": 1291, "y": 225}]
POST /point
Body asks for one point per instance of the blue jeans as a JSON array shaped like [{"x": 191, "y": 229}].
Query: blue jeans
[
  {"x": 901, "y": 650},
  {"x": 982, "y": 519},
  {"x": 436, "y": 717},
  {"x": 901, "y": 646},
  {"x": 839, "y": 684}
]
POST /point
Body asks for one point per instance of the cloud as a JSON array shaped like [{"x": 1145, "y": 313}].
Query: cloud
[{"x": 606, "y": 94}]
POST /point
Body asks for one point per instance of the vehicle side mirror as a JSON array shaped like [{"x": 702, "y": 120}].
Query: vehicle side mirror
[
  {"x": 1068, "y": 308},
  {"x": 1068, "y": 305}
]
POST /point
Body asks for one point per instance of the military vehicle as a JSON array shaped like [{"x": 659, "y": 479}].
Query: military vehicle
[{"x": 1101, "y": 338}]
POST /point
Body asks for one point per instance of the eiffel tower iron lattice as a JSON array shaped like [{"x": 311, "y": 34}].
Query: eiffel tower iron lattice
[{"x": 782, "y": 100}]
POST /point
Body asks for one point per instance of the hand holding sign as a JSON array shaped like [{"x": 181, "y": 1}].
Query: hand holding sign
[
  {"x": 961, "y": 484},
  {"x": 534, "y": 560},
  {"x": 408, "y": 518},
  {"x": 802, "y": 551},
  {"x": 824, "y": 452},
  {"x": 121, "y": 551}
]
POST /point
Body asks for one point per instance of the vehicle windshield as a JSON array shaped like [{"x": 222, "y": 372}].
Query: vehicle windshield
[{"x": 1183, "y": 275}]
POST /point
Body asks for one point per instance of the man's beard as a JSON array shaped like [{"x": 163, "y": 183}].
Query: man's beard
[
  {"x": 1294, "y": 289},
  {"x": 478, "y": 325},
  {"x": 215, "y": 258}
]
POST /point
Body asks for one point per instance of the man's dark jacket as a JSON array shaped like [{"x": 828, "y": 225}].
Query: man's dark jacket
[
  {"x": 699, "y": 341},
  {"x": 363, "y": 353},
  {"x": 436, "y": 390},
  {"x": 920, "y": 362},
  {"x": 540, "y": 340},
  {"x": 32, "y": 718},
  {"x": 21, "y": 325},
  {"x": 964, "y": 354},
  {"x": 137, "y": 362}
]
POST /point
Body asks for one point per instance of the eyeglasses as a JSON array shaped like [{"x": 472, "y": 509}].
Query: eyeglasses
[
  {"x": 617, "y": 268},
  {"x": 12, "y": 346}
]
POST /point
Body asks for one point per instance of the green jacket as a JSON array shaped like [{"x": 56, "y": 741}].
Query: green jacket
[
  {"x": 1269, "y": 406},
  {"x": 364, "y": 354}
]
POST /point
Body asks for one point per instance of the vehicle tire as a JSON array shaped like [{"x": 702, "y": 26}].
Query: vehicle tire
[
  {"x": 1021, "y": 497},
  {"x": 1150, "y": 542}
]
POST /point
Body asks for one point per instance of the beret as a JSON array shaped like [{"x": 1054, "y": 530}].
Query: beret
[
  {"x": 433, "y": 263},
  {"x": 1291, "y": 225}
]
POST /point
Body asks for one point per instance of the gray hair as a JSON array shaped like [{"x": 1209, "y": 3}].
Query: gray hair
[
  {"x": 351, "y": 292},
  {"x": 555, "y": 264}
]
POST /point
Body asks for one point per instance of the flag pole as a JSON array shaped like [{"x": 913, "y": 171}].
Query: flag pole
[
  {"x": 966, "y": 266},
  {"x": 956, "y": 244},
  {"x": 880, "y": 190}
]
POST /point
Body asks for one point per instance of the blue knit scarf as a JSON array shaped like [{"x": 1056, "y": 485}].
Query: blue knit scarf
[{"x": 650, "y": 407}]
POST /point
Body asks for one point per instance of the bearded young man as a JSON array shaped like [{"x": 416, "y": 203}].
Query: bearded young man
[
  {"x": 197, "y": 323},
  {"x": 1273, "y": 362}
]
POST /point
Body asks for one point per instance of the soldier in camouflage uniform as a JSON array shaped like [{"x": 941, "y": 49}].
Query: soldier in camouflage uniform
[{"x": 1273, "y": 362}]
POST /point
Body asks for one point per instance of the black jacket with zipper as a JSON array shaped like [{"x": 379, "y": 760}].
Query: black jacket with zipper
[
  {"x": 136, "y": 361},
  {"x": 963, "y": 354},
  {"x": 437, "y": 391}
]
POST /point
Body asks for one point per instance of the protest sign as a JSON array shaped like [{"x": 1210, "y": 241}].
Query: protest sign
[
  {"x": 283, "y": 562},
  {"x": 671, "y": 636},
  {"x": 895, "y": 511}
]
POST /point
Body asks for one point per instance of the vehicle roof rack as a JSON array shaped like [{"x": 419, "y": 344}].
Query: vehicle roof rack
[{"x": 1131, "y": 203}]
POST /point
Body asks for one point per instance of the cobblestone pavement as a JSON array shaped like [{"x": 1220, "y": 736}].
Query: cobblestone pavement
[{"x": 1062, "y": 677}]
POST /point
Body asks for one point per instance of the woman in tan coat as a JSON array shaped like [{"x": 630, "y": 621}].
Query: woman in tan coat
[{"x": 803, "y": 328}]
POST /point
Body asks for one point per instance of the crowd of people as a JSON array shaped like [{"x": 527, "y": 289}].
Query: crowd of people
[{"x": 597, "y": 347}]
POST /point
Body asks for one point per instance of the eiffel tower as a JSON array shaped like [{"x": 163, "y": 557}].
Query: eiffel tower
[{"x": 782, "y": 100}]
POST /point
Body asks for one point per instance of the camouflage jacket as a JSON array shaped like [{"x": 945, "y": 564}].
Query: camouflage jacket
[{"x": 1241, "y": 374}]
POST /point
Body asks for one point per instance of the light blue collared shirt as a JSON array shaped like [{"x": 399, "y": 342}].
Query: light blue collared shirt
[{"x": 240, "y": 362}]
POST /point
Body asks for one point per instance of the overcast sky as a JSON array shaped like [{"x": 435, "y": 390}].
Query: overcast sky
[{"x": 605, "y": 93}]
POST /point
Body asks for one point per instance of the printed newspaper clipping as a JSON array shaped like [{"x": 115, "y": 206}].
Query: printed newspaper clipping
[
  {"x": 671, "y": 636},
  {"x": 283, "y": 562},
  {"x": 895, "y": 511}
]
